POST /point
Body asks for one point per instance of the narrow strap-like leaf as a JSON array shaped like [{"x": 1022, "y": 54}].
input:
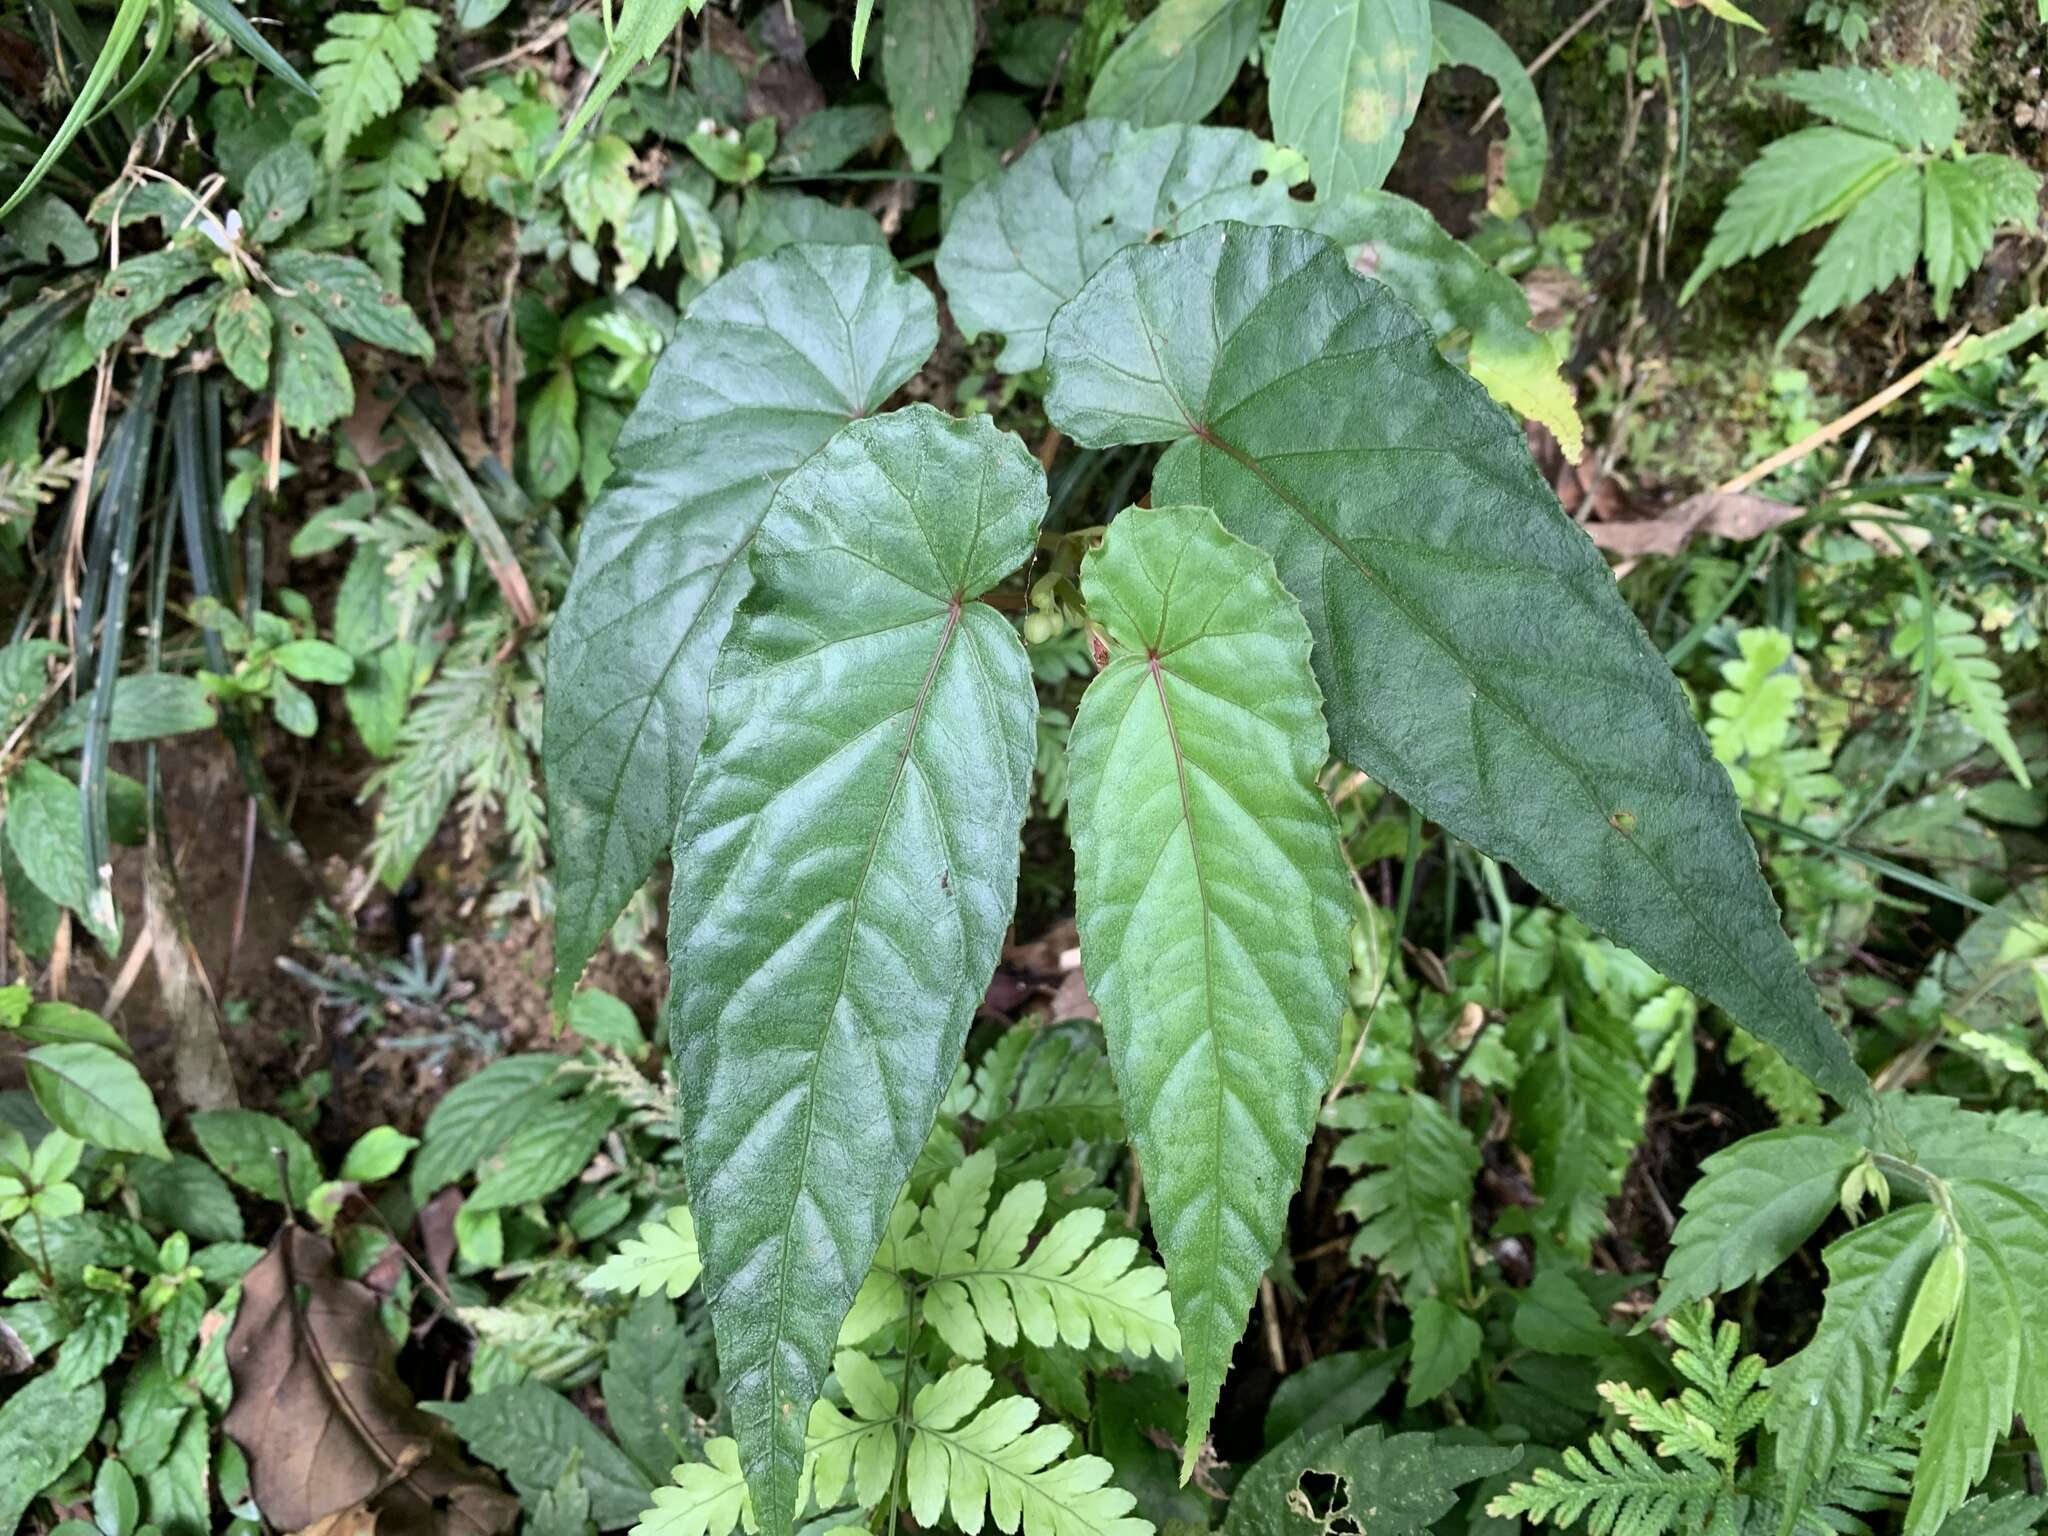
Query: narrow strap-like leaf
[
  {"x": 225, "y": 15},
  {"x": 1212, "y": 902},
  {"x": 1472, "y": 650},
  {"x": 844, "y": 872}
]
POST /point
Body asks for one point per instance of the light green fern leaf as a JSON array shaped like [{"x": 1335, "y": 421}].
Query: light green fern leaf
[
  {"x": 662, "y": 1259},
  {"x": 705, "y": 1498},
  {"x": 1720, "y": 1406},
  {"x": 366, "y": 62},
  {"x": 1752, "y": 723},
  {"x": 857, "y": 1448},
  {"x": 1963, "y": 675},
  {"x": 1789, "y": 1092},
  {"x": 996, "y": 1464},
  {"x": 978, "y": 1283}
]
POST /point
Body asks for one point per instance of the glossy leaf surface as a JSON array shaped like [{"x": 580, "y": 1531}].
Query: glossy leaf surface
[{"x": 844, "y": 872}]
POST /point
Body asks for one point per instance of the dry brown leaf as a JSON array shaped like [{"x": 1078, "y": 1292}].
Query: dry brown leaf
[
  {"x": 1723, "y": 514},
  {"x": 325, "y": 1421},
  {"x": 356, "y": 1520},
  {"x": 200, "y": 1069}
]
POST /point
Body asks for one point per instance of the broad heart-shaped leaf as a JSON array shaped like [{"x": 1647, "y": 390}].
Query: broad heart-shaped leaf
[
  {"x": 1346, "y": 79},
  {"x": 1472, "y": 650},
  {"x": 844, "y": 871},
  {"x": 1021, "y": 244},
  {"x": 1178, "y": 63},
  {"x": 768, "y": 363},
  {"x": 1212, "y": 902}
]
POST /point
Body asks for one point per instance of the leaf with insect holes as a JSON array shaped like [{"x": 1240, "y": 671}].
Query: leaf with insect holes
[
  {"x": 844, "y": 871},
  {"x": 1382, "y": 1485},
  {"x": 351, "y": 298},
  {"x": 1313, "y": 410},
  {"x": 277, "y": 190},
  {"x": 242, "y": 332},
  {"x": 1212, "y": 901},
  {"x": 1346, "y": 78},
  {"x": 1463, "y": 39},
  {"x": 1023, "y": 243},
  {"x": 764, "y": 367},
  {"x": 311, "y": 379},
  {"x": 135, "y": 288},
  {"x": 1177, "y": 64}
]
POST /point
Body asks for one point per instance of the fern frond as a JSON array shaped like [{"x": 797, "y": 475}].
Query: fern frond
[
  {"x": 367, "y": 61},
  {"x": 1578, "y": 1109},
  {"x": 1412, "y": 1213},
  {"x": 859, "y": 1448},
  {"x": 705, "y": 1498},
  {"x": 1752, "y": 725},
  {"x": 473, "y": 731},
  {"x": 1721, "y": 1405},
  {"x": 1788, "y": 1091},
  {"x": 381, "y": 192},
  {"x": 1618, "y": 1488},
  {"x": 1038, "y": 1088},
  {"x": 1963, "y": 675},
  {"x": 662, "y": 1259},
  {"x": 979, "y": 1284},
  {"x": 996, "y": 1465}
]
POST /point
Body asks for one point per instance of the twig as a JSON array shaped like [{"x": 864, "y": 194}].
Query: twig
[
  {"x": 124, "y": 981},
  {"x": 1847, "y": 422},
  {"x": 1269, "y": 1313},
  {"x": 227, "y": 971},
  {"x": 1556, "y": 47},
  {"x": 74, "y": 546},
  {"x": 547, "y": 37}
]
